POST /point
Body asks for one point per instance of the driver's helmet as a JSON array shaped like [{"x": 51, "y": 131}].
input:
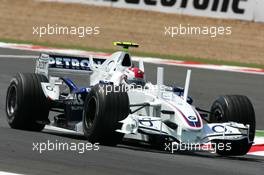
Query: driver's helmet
[{"x": 134, "y": 76}]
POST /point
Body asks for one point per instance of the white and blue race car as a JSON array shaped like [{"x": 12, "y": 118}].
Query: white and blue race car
[{"x": 119, "y": 103}]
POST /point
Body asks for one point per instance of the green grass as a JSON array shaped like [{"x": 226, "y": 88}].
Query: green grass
[
  {"x": 260, "y": 133},
  {"x": 137, "y": 53}
]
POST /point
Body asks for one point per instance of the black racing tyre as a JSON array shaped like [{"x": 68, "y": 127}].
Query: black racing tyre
[
  {"x": 26, "y": 104},
  {"x": 236, "y": 108},
  {"x": 102, "y": 113}
]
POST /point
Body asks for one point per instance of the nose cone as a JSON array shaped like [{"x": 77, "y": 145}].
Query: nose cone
[{"x": 189, "y": 116}]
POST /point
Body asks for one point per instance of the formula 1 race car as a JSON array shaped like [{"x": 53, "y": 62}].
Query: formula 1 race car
[{"x": 119, "y": 103}]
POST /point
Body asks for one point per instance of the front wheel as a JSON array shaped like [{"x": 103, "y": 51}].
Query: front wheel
[
  {"x": 235, "y": 108},
  {"x": 103, "y": 109},
  {"x": 26, "y": 104}
]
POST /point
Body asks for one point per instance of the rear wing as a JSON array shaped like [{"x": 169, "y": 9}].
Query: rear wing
[
  {"x": 65, "y": 63},
  {"x": 125, "y": 45}
]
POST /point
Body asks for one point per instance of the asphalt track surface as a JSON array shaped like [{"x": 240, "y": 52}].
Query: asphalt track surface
[{"x": 16, "y": 154}]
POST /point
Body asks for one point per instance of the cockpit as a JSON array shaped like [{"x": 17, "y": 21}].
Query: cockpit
[{"x": 118, "y": 61}]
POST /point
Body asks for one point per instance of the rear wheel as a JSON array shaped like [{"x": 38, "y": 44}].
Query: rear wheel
[
  {"x": 26, "y": 105},
  {"x": 236, "y": 108},
  {"x": 104, "y": 108}
]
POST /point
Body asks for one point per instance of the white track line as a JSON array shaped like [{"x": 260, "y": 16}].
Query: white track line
[
  {"x": 18, "y": 56},
  {"x": 257, "y": 153},
  {"x": 8, "y": 173},
  {"x": 28, "y": 47},
  {"x": 259, "y": 140}
]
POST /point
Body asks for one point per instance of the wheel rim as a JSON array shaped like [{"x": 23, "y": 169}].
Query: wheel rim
[
  {"x": 91, "y": 112},
  {"x": 218, "y": 115},
  {"x": 11, "y": 101}
]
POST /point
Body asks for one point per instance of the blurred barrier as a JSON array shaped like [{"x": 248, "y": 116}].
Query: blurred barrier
[
  {"x": 259, "y": 11},
  {"x": 251, "y": 10}
]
